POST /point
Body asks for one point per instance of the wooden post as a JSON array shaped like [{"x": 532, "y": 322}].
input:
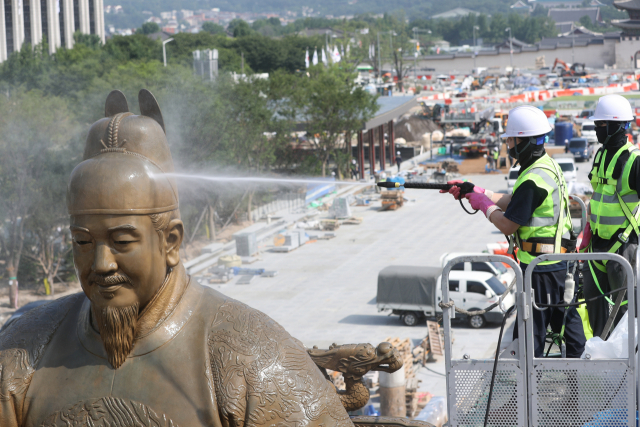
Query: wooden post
[
  {"x": 361, "y": 154},
  {"x": 372, "y": 153},
  {"x": 392, "y": 143},
  {"x": 392, "y": 394},
  {"x": 381, "y": 142}
]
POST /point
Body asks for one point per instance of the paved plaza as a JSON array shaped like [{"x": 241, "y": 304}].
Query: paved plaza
[{"x": 325, "y": 291}]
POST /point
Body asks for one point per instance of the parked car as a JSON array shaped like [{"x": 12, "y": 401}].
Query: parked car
[
  {"x": 413, "y": 293},
  {"x": 502, "y": 273},
  {"x": 589, "y": 131},
  {"x": 580, "y": 149},
  {"x": 567, "y": 165},
  {"x": 512, "y": 178}
]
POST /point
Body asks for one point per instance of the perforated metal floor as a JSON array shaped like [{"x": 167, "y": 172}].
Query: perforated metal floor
[
  {"x": 472, "y": 391},
  {"x": 582, "y": 397}
]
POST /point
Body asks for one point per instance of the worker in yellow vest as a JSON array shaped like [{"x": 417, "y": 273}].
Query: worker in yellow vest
[
  {"x": 537, "y": 216},
  {"x": 614, "y": 212}
]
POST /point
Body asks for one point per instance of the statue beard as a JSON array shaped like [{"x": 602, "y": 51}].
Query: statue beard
[{"x": 117, "y": 326}]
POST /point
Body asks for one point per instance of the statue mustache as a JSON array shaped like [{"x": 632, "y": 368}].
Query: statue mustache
[{"x": 110, "y": 280}]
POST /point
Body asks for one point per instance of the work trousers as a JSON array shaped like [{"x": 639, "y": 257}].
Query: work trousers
[
  {"x": 552, "y": 283},
  {"x": 614, "y": 278}
]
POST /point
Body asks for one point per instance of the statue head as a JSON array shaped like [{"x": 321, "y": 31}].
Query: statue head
[{"x": 125, "y": 221}]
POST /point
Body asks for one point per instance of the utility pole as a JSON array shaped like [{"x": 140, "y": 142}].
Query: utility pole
[
  {"x": 475, "y": 53},
  {"x": 418, "y": 30},
  {"x": 415, "y": 67},
  {"x": 510, "y": 48},
  {"x": 164, "y": 50},
  {"x": 242, "y": 62},
  {"x": 379, "y": 61}
]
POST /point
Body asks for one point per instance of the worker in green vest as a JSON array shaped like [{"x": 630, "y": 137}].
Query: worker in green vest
[
  {"x": 496, "y": 155},
  {"x": 613, "y": 210},
  {"x": 537, "y": 216}
]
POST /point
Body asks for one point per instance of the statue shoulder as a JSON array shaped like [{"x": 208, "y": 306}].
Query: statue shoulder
[
  {"x": 263, "y": 375},
  {"x": 33, "y": 330},
  {"x": 23, "y": 343}
]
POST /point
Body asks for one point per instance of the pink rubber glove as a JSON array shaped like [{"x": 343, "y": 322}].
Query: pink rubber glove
[
  {"x": 479, "y": 201},
  {"x": 455, "y": 191},
  {"x": 586, "y": 237},
  {"x": 454, "y": 181}
]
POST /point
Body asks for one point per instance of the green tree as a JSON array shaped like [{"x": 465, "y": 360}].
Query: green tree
[
  {"x": 239, "y": 28},
  {"x": 148, "y": 28},
  {"x": 213, "y": 28},
  {"x": 330, "y": 105},
  {"x": 34, "y": 127}
]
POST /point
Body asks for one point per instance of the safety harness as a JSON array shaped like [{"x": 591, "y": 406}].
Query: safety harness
[
  {"x": 561, "y": 242},
  {"x": 604, "y": 184}
]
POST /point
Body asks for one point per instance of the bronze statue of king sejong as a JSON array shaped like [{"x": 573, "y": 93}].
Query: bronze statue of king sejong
[{"x": 144, "y": 344}]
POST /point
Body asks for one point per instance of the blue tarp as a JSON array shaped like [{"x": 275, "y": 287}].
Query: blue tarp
[{"x": 315, "y": 191}]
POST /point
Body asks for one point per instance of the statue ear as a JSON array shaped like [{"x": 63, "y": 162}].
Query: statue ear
[
  {"x": 149, "y": 107},
  {"x": 116, "y": 103}
]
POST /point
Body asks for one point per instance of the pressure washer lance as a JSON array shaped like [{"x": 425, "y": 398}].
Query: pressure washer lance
[{"x": 465, "y": 188}]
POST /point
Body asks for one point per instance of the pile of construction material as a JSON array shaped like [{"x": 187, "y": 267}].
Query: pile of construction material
[
  {"x": 412, "y": 127},
  {"x": 413, "y": 359},
  {"x": 403, "y": 346},
  {"x": 290, "y": 240},
  {"x": 391, "y": 200}
]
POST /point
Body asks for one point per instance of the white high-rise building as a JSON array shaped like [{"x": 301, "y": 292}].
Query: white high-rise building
[{"x": 29, "y": 21}]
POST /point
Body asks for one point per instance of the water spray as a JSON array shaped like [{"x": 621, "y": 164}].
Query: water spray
[{"x": 236, "y": 179}]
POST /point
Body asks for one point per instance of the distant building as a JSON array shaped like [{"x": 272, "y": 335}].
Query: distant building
[
  {"x": 456, "y": 13},
  {"x": 554, "y": 3},
  {"x": 629, "y": 48},
  {"x": 521, "y": 7},
  {"x": 30, "y": 21},
  {"x": 574, "y": 15},
  {"x": 630, "y": 27}
]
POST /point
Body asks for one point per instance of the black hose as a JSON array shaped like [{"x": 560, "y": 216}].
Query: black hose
[{"x": 495, "y": 363}]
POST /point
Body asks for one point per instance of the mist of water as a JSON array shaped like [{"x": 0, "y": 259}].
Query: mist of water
[{"x": 263, "y": 180}]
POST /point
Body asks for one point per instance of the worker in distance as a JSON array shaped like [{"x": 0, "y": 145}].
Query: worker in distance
[
  {"x": 537, "y": 217},
  {"x": 613, "y": 210}
]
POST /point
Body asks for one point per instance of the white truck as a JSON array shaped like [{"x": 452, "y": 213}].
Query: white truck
[
  {"x": 414, "y": 293},
  {"x": 588, "y": 131}
]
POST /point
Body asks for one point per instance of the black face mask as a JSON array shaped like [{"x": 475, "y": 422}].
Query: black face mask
[
  {"x": 521, "y": 150},
  {"x": 612, "y": 132},
  {"x": 601, "y": 133}
]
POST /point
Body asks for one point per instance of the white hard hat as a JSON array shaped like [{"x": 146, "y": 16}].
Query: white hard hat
[
  {"x": 613, "y": 108},
  {"x": 398, "y": 153},
  {"x": 526, "y": 120}
]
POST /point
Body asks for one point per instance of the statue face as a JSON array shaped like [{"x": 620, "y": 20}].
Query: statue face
[{"x": 120, "y": 259}]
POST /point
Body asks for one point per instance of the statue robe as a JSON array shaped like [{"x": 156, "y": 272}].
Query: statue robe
[{"x": 212, "y": 362}]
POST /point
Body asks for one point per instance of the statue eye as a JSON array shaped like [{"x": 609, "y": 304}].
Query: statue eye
[{"x": 81, "y": 241}]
